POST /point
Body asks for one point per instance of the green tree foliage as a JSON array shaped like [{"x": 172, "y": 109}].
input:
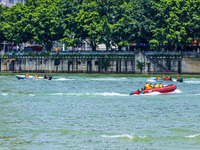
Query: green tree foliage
[
  {"x": 13, "y": 24},
  {"x": 181, "y": 22},
  {"x": 2, "y": 22},
  {"x": 140, "y": 65},
  {"x": 44, "y": 22},
  {"x": 112, "y": 22}
]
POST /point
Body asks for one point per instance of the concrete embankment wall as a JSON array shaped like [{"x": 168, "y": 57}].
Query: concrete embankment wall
[
  {"x": 101, "y": 64},
  {"x": 70, "y": 65},
  {"x": 191, "y": 65}
]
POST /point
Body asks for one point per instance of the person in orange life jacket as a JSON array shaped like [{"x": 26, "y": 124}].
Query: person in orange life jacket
[
  {"x": 27, "y": 75},
  {"x": 151, "y": 86},
  {"x": 156, "y": 86},
  {"x": 158, "y": 78},
  {"x": 164, "y": 77},
  {"x": 146, "y": 86},
  {"x": 168, "y": 78},
  {"x": 36, "y": 76},
  {"x": 160, "y": 85}
]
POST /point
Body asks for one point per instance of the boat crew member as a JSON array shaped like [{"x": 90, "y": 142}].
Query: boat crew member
[
  {"x": 46, "y": 76},
  {"x": 27, "y": 75},
  {"x": 158, "y": 78},
  {"x": 164, "y": 77},
  {"x": 160, "y": 85},
  {"x": 36, "y": 76},
  {"x": 151, "y": 86},
  {"x": 167, "y": 78},
  {"x": 147, "y": 86},
  {"x": 178, "y": 79},
  {"x": 156, "y": 86}
]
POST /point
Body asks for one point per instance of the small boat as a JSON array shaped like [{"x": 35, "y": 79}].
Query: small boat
[
  {"x": 165, "y": 89},
  {"x": 159, "y": 80},
  {"x": 22, "y": 77}
]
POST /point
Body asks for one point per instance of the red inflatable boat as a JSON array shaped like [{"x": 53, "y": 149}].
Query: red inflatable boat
[{"x": 166, "y": 89}]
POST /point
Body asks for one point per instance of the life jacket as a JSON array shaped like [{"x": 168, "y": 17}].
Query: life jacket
[
  {"x": 151, "y": 86},
  {"x": 168, "y": 78},
  {"x": 158, "y": 78},
  {"x": 147, "y": 86},
  {"x": 160, "y": 85},
  {"x": 156, "y": 86},
  {"x": 27, "y": 75},
  {"x": 178, "y": 78}
]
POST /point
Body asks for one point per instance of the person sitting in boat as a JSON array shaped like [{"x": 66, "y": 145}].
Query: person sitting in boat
[
  {"x": 27, "y": 75},
  {"x": 158, "y": 78},
  {"x": 151, "y": 86},
  {"x": 156, "y": 86},
  {"x": 164, "y": 77},
  {"x": 36, "y": 76},
  {"x": 46, "y": 76},
  {"x": 167, "y": 78},
  {"x": 147, "y": 86},
  {"x": 160, "y": 85}
]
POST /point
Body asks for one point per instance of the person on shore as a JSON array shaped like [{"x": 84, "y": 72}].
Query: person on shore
[
  {"x": 160, "y": 85},
  {"x": 46, "y": 76},
  {"x": 26, "y": 75}
]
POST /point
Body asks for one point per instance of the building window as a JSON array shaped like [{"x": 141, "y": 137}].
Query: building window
[
  {"x": 11, "y": 1},
  {"x": 19, "y": 1}
]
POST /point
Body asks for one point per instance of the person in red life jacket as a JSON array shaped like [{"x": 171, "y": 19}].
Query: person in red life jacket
[{"x": 178, "y": 79}]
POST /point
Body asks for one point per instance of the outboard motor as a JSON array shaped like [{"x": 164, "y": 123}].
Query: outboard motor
[
  {"x": 50, "y": 77},
  {"x": 132, "y": 93}
]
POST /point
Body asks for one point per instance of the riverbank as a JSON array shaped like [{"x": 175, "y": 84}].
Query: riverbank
[{"x": 105, "y": 75}]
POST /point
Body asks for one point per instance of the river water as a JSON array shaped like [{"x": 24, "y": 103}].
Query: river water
[{"x": 80, "y": 111}]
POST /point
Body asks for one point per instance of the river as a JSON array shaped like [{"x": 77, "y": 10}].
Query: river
[{"x": 83, "y": 111}]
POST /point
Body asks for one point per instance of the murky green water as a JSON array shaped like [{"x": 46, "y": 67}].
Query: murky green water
[{"x": 77, "y": 111}]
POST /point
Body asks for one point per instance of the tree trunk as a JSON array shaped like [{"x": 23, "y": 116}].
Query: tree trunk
[{"x": 48, "y": 45}]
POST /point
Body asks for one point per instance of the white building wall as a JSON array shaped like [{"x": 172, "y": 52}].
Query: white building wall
[{"x": 11, "y": 3}]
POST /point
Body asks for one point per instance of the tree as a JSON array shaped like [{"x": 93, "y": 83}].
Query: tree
[
  {"x": 181, "y": 23},
  {"x": 44, "y": 22},
  {"x": 2, "y": 10},
  {"x": 140, "y": 65}
]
